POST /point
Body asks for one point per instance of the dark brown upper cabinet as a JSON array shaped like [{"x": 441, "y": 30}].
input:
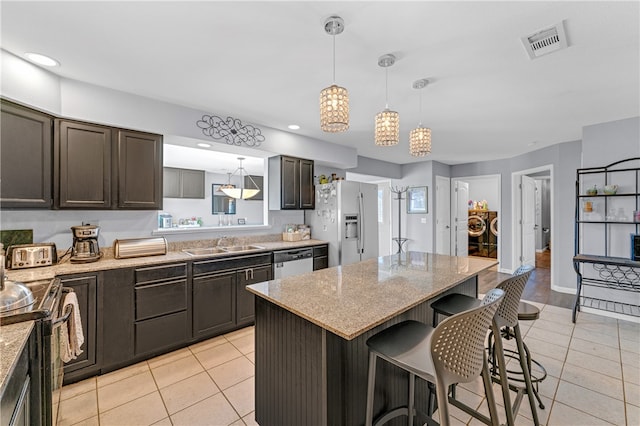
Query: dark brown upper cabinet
[
  {"x": 291, "y": 183},
  {"x": 82, "y": 171},
  {"x": 25, "y": 163},
  {"x": 139, "y": 173},
  {"x": 100, "y": 167}
]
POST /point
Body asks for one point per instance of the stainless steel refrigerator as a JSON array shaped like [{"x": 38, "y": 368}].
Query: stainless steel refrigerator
[{"x": 346, "y": 216}]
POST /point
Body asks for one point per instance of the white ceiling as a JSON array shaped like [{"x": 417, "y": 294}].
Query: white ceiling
[{"x": 266, "y": 62}]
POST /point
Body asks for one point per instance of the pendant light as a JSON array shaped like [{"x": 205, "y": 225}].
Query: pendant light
[
  {"x": 334, "y": 100},
  {"x": 387, "y": 122},
  {"x": 420, "y": 137},
  {"x": 227, "y": 185},
  {"x": 242, "y": 192}
]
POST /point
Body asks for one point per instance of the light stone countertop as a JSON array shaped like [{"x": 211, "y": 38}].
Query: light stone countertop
[
  {"x": 12, "y": 340},
  {"x": 176, "y": 255},
  {"x": 349, "y": 300}
]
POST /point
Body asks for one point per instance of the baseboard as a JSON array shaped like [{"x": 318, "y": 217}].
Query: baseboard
[{"x": 565, "y": 290}]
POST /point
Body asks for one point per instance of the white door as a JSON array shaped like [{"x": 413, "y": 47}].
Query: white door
[
  {"x": 461, "y": 216},
  {"x": 443, "y": 215},
  {"x": 528, "y": 223}
]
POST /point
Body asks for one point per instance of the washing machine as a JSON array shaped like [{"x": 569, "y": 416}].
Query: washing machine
[
  {"x": 483, "y": 233},
  {"x": 492, "y": 234},
  {"x": 478, "y": 226}
]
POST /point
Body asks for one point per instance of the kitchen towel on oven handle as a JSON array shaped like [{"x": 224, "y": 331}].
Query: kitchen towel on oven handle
[{"x": 72, "y": 337}]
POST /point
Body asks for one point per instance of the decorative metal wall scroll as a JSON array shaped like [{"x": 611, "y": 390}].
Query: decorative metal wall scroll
[{"x": 232, "y": 130}]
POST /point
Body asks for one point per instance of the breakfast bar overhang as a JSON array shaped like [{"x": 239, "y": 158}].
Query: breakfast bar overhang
[{"x": 311, "y": 332}]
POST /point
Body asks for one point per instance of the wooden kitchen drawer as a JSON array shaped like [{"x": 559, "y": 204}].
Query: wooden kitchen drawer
[
  {"x": 160, "y": 299},
  {"x": 319, "y": 251},
  {"x": 158, "y": 334},
  {"x": 158, "y": 273},
  {"x": 230, "y": 263}
]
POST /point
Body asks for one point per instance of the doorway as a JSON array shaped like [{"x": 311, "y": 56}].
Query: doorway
[
  {"x": 482, "y": 209},
  {"x": 443, "y": 215},
  {"x": 532, "y": 204}
]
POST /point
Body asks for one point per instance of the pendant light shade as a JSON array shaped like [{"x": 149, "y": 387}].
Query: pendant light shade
[
  {"x": 387, "y": 128},
  {"x": 420, "y": 137},
  {"x": 334, "y": 100},
  {"x": 420, "y": 141},
  {"x": 241, "y": 193},
  {"x": 387, "y": 122}
]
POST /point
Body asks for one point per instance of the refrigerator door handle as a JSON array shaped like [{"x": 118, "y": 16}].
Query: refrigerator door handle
[{"x": 361, "y": 223}]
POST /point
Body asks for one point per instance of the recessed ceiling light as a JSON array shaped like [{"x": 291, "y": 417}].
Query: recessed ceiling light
[
  {"x": 42, "y": 59},
  {"x": 293, "y": 126},
  {"x": 204, "y": 145}
]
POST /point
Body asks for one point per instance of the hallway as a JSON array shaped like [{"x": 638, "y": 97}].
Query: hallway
[{"x": 538, "y": 288}]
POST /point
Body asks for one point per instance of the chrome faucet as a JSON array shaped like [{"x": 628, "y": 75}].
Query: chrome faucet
[{"x": 224, "y": 241}]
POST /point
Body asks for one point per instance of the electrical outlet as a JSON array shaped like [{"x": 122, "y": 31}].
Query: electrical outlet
[{"x": 423, "y": 220}]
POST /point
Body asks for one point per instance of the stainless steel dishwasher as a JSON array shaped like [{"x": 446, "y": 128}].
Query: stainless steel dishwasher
[{"x": 292, "y": 262}]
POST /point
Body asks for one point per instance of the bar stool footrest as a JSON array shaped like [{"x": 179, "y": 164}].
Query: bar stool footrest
[
  {"x": 474, "y": 413},
  {"x": 404, "y": 411}
]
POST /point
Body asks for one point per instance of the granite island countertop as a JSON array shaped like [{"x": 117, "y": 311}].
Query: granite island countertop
[
  {"x": 13, "y": 338},
  {"x": 349, "y": 300},
  {"x": 176, "y": 255}
]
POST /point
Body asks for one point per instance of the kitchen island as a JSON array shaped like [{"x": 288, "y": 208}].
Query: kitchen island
[{"x": 311, "y": 332}]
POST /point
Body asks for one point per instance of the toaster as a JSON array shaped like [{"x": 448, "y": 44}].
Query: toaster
[{"x": 21, "y": 256}]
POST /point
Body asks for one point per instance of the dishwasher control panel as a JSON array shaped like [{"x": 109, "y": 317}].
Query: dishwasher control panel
[{"x": 287, "y": 263}]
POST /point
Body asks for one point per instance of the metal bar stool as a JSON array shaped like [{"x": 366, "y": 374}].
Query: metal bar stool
[
  {"x": 451, "y": 353},
  {"x": 526, "y": 312},
  {"x": 506, "y": 318}
]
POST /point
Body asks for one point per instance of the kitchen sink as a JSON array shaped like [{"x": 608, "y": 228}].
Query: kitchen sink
[
  {"x": 241, "y": 248},
  {"x": 203, "y": 251}
]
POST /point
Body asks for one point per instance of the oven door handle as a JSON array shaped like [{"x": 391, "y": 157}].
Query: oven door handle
[{"x": 68, "y": 310}]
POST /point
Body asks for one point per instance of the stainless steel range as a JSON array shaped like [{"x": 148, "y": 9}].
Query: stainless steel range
[{"x": 46, "y": 310}]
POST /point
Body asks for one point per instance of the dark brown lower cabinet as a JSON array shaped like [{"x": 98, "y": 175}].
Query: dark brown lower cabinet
[
  {"x": 132, "y": 314},
  {"x": 116, "y": 313},
  {"x": 320, "y": 257},
  {"x": 214, "y": 304},
  {"x": 245, "y": 301},
  {"x": 16, "y": 398},
  {"x": 161, "y": 309},
  {"x": 85, "y": 287}
]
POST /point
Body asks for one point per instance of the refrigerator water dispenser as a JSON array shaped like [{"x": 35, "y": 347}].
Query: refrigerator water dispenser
[{"x": 351, "y": 226}]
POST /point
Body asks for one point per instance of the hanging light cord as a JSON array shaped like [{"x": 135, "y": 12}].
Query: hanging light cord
[
  {"x": 420, "y": 109},
  {"x": 386, "y": 87},
  {"x": 334, "y": 59}
]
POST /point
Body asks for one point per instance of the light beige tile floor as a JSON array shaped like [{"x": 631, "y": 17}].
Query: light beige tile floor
[{"x": 593, "y": 379}]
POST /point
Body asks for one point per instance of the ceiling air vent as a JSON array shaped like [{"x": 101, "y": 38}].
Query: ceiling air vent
[{"x": 545, "y": 41}]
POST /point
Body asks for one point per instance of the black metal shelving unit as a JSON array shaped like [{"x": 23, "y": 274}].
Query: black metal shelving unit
[{"x": 598, "y": 269}]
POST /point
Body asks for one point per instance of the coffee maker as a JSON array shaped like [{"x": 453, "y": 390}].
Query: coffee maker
[{"x": 85, "y": 244}]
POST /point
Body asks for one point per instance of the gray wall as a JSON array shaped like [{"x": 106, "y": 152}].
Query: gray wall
[
  {"x": 606, "y": 143},
  {"x": 30, "y": 85},
  {"x": 373, "y": 167},
  {"x": 565, "y": 159}
]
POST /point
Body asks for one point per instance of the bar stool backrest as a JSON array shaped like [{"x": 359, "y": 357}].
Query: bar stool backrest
[
  {"x": 457, "y": 343},
  {"x": 507, "y": 314},
  {"x": 522, "y": 269}
]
